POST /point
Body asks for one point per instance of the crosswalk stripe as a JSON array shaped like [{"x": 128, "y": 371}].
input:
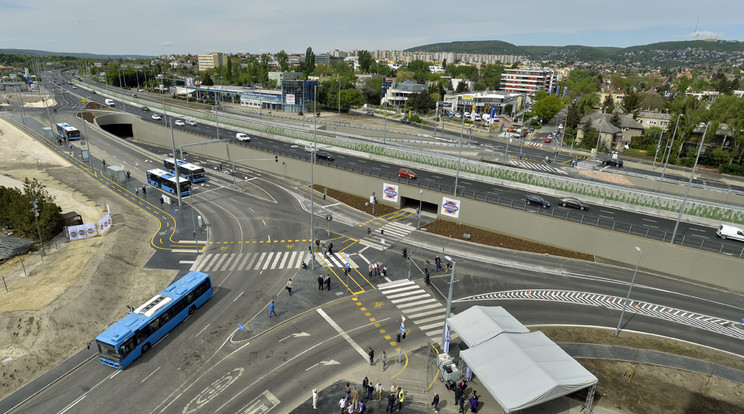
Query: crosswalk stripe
[
  {"x": 285, "y": 257},
  {"x": 300, "y": 258},
  {"x": 421, "y": 302},
  {"x": 401, "y": 295},
  {"x": 236, "y": 261},
  {"x": 206, "y": 260},
  {"x": 437, "y": 333},
  {"x": 418, "y": 315},
  {"x": 439, "y": 318},
  {"x": 419, "y": 295},
  {"x": 430, "y": 306},
  {"x": 268, "y": 261},
  {"x": 242, "y": 263},
  {"x": 260, "y": 259},
  {"x": 227, "y": 262},
  {"x": 219, "y": 261},
  {"x": 276, "y": 260},
  {"x": 431, "y": 326},
  {"x": 249, "y": 264}
]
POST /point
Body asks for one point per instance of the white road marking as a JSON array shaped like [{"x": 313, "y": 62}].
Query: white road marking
[
  {"x": 150, "y": 374},
  {"x": 343, "y": 334}
]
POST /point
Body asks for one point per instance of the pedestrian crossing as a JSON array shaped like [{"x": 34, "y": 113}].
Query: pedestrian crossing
[
  {"x": 391, "y": 232},
  {"x": 539, "y": 166},
  {"x": 417, "y": 305},
  {"x": 222, "y": 262}
]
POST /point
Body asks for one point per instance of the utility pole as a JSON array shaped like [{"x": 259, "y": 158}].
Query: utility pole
[{"x": 35, "y": 209}]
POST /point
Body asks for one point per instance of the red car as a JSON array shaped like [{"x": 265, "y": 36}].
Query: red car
[
  {"x": 548, "y": 139},
  {"x": 406, "y": 173}
]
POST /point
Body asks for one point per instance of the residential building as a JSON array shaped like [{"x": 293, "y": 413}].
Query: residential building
[
  {"x": 399, "y": 93},
  {"x": 617, "y": 98},
  {"x": 528, "y": 80},
  {"x": 611, "y": 136},
  {"x": 487, "y": 102},
  {"x": 654, "y": 119},
  {"x": 282, "y": 76},
  {"x": 211, "y": 61}
]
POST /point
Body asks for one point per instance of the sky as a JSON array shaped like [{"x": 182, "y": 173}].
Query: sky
[{"x": 156, "y": 27}]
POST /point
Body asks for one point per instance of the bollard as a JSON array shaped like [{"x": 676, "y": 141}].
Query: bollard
[
  {"x": 5, "y": 284},
  {"x": 23, "y": 265}
]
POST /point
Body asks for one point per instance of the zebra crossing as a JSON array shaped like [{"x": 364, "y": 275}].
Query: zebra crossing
[
  {"x": 706, "y": 322},
  {"x": 221, "y": 262},
  {"x": 391, "y": 232},
  {"x": 417, "y": 305},
  {"x": 537, "y": 166}
]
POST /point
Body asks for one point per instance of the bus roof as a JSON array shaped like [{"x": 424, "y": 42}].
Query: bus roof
[
  {"x": 65, "y": 125},
  {"x": 185, "y": 164},
  {"x": 143, "y": 315}
]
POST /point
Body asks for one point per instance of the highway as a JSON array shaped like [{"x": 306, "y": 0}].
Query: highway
[{"x": 257, "y": 230}]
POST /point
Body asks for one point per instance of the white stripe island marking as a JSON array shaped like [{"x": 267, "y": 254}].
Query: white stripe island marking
[{"x": 343, "y": 334}]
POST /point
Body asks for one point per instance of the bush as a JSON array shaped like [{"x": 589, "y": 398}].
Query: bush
[{"x": 733, "y": 169}]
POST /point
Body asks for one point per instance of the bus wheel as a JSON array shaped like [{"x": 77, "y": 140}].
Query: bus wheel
[
  {"x": 192, "y": 309},
  {"x": 145, "y": 347}
]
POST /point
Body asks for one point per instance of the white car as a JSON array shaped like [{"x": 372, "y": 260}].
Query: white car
[
  {"x": 156, "y": 117},
  {"x": 310, "y": 148},
  {"x": 180, "y": 123},
  {"x": 190, "y": 122},
  {"x": 730, "y": 232},
  {"x": 242, "y": 137}
]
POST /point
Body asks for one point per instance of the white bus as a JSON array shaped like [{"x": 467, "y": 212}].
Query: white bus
[
  {"x": 68, "y": 132},
  {"x": 192, "y": 172}
]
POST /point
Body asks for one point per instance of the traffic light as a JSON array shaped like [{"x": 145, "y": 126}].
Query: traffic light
[
  {"x": 405, "y": 253},
  {"x": 276, "y": 158},
  {"x": 397, "y": 338}
]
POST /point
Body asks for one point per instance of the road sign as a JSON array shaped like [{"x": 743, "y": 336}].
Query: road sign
[{"x": 240, "y": 326}]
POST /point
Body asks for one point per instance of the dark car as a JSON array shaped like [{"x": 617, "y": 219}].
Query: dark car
[
  {"x": 613, "y": 162},
  {"x": 324, "y": 155},
  {"x": 537, "y": 200},
  {"x": 144, "y": 108},
  {"x": 405, "y": 121},
  {"x": 573, "y": 203}
]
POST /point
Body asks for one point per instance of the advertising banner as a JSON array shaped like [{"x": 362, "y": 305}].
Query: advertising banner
[
  {"x": 290, "y": 99},
  {"x": 450, "y": 207},
  {"x": 104, "y": 223},
  {"x": 390, "y": 192},
  {"x": 81, "y": 231}
]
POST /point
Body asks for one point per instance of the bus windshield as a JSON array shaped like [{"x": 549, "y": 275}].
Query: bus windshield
[{"x": 108, "y": 351}]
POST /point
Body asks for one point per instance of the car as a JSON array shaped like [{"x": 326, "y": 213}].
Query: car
[
  {"x": 93, "y": 92},
  {"x": 180, "y": 122},
  {"x": 190, "y": 122},
  {"x": 140, "y": 90},
  {"x": 548, "y": 139},
  {"x": 323, "y": 155},
  {"x": 537, "y": 200},
  {"x": 242, "y": 137},
  {"x": 406, "y": 173},
  {"x": 613, "y": 162},
  {"x": 134, "y": 95},
  {"x": 730, "y": 232},
  {"x": 369, "y": 113},
  {"x": 74, "y": 87},
  {"x": 310, "y": 148},
  {"x": 458, "y": 115},
  {"x": 144, "y": 108},
  {"x": 573, "y": 203},
  {"x": 156, "y": 117},
  {"x": 405, "y": 120}
]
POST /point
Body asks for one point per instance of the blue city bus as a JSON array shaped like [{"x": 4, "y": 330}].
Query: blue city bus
[
  {"x": 167, "y": 181},
  {"x": 133, "y": 335},
  {"x": 68, "y": 132},
  {"x": 192, "y": 172}
]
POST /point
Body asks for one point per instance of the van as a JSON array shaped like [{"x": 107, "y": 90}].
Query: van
[
  {"x": 730, "y": 232},
  {"x": 110, "y": 102}
]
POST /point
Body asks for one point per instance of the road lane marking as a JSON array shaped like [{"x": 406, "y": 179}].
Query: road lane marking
[
  {"x": 343, "y": 334},
  {"x": 150, "y": 374}
]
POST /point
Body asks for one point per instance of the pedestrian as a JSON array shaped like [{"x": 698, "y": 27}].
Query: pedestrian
[
  {"x": 355, "y": 397},
  {"x": 330, "y": 248},
  {"x": 342, "y": 404},
  {"x": 371, "y": 353},
  {"x": 103, "y": 163},
  {"x": 370, "y": 390},
  {"x": 384, "y": 271},
  {"x": 317, "y": 245},
  {"x": 437, "y": 264},
  {"x": 461, "y": 402},
  {"x": 144, "y": 190},
  {"x": 371, "y": 269},
  {"x": 401, "y": 397},
  {"x": 383, "y": 358},
  {"x": 161, "y": 201},
  {"x": 458, "y": 394},
  {"x": 435, "y": 402},
  {"x": 365, "y": 382},
  {"x": 304, "y": 265},
  {"x": 377, "y": 270},
  {"x": 426, "y": 266},
  {"x": 320, "y": 282},
  {"x": 391, "y": 402},
  {"x": 130, "y": 309},
  {"x": 129, "y": 174},
  {"x": 394, "y": 389},
  {"x": 463, "y": 385},
  {"x": 379, "y": 388},
  {"x": 136, "y": 191},
  {"x": 369, "y": 231},
  {"x": 473, "y": 403},
  {"x": 382, "y": 232},
  {"x": 348, "y": 392},
  {"x": 449, "y": 266},
  {"x": 362, "y": 408},
  {"x": 328, "y": 282},
  {"x": 272, "y": 310},
  {"x": 289, "y": 286},
  {"x": 315, "y": 399},
  {"x": 350, "y": 409}
]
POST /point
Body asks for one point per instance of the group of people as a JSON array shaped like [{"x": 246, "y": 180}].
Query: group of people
[
  {"x": 322, "y": 281},
  {"x": 461, "y": 398},
  {"x": 438, "y": 265},
  {"x": 377, "y": 270}
]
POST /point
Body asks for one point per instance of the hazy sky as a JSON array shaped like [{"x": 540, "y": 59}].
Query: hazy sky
[{"x": 156, "y": 27}]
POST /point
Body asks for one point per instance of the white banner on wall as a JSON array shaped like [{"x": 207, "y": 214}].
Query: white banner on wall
[
  {"x": 81, "y": 231},
  {"x": 390, "y": 192},
  {"x": 104, "y": 223},
  {"x": 450, "y": 207}
]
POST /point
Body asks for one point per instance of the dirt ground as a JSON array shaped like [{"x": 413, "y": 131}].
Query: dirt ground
[{"x": 57, "y": 306}]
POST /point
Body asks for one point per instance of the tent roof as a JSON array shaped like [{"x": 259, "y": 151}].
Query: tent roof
[
  {"x": 481, "y": 323},
  {"x": 524, "y": 370}
]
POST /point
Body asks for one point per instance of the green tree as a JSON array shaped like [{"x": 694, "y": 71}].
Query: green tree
[
  {"x": 423, "y": 102},
  {"x": 365, "y": 61},
  {"x": 615, "y": 119},
  {"x": 631, "y": 103},
  {"x": 572, "y": 117},
  {"x": 589, "y": 140},
  {"x": 461, "y": 87},
  {"x": 547, "y": 107},
  {"x": 371, "y": 90},
  {"x": 228, "y": 75},
  {"x": 207, "y": 80},
  {"x": 283, "y": 60},
  {"x": 308, "y": 65},
  {"x": 491, "y": 75},
  {"x": 609, "y": 104}
]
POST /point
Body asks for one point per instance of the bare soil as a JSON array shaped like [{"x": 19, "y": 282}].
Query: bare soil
[{"x": 59, "y": 305}]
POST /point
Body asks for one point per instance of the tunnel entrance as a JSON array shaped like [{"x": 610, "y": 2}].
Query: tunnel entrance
[
  {"x": 428, "y": 210},
  {"x": 120, "y": 130}
]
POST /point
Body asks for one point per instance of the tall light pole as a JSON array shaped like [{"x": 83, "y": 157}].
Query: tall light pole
[
  {"x": 625, "y": 304},
  {"x": 312, "y": 175},
  {"x": 457, "y": 176},
  {"x": 658, "y": 145},
  {"x": 671, "y": 143},
  {"x": 689, "y": 184},
  {"x": 449, "y": 299}
]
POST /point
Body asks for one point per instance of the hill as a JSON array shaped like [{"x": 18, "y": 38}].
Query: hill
[
  {"x": 44, "y": 53},
  {"x": 491, "y": 47}
]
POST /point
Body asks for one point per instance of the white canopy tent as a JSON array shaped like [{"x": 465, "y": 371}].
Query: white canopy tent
[{"x": 519, "y": 368}]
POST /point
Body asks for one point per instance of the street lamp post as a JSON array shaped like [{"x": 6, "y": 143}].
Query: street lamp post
[
  {"x": 658, "y": 145},
  {"x": 457, "y": 176},
  {"x": 625, "y": 304},
  {"x": 689, "y": 184},
  {"x": 421, "y": 199},
  {"x": 449, "y": 299},
  {"x": 312, "y": 173},
  {"x": 671, "y": 143}
]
